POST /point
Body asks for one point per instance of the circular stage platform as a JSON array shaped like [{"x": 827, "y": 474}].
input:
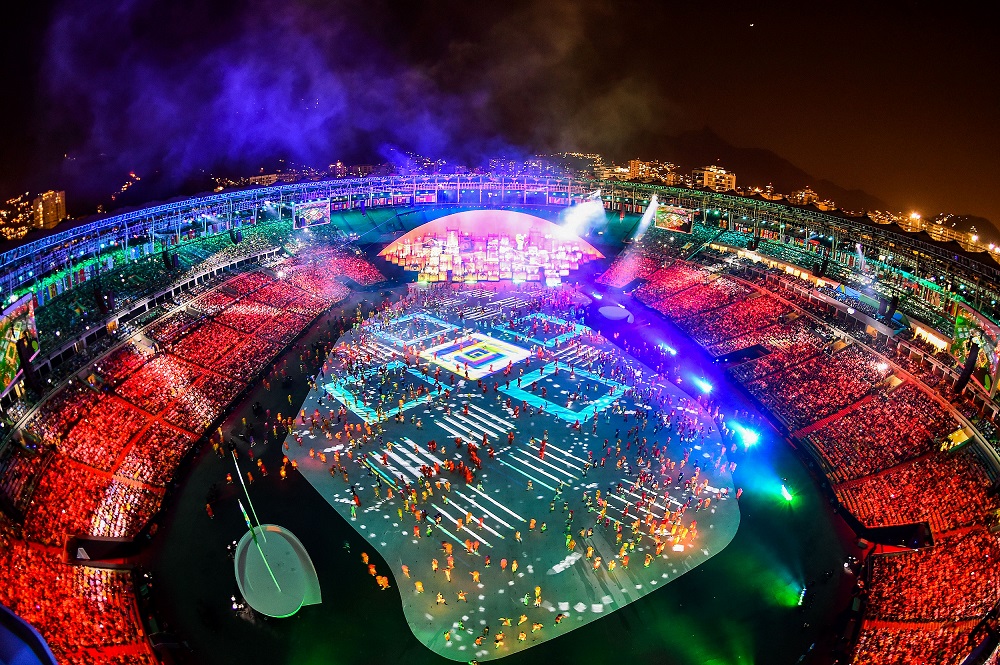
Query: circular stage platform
[
  {"x": 616, "y": 313},
  {"x": 294, "y": 582}
]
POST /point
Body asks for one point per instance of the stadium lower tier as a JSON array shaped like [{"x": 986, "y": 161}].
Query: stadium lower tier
[
  {"x": 100, "y": 452},
  {"x": 497, "y": 465}
]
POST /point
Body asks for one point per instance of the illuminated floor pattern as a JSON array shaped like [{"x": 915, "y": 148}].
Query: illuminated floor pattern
[
  {"x": 475, "y": 356},
  {"x": 413, "y": 329},
  {"x": 573, "y": 395},
  {"x": 360, "y": 394},
  {"x": 526, "y": 506},
  {"x": 545, "y": 330}
]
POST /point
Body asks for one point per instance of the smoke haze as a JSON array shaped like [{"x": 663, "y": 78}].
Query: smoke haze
[
  {"x": 894, "y": 99},
  {"x": 178, "y": 88}
]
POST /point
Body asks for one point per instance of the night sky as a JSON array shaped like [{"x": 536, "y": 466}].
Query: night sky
[{"x": 899, "y": 99}]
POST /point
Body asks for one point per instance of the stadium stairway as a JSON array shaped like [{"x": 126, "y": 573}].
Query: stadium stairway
[
  {"x": 809, "y": 429},
  {"x": 881, "y": 472}
]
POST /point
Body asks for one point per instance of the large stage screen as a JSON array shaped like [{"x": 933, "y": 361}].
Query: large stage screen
[
  {"x": 17, "y": 321},
  {"x": 674, "y": 219},
  {"x": 313, "y": 213}
]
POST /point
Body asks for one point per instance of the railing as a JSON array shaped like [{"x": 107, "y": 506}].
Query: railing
[{"x": 35, "y": 258}]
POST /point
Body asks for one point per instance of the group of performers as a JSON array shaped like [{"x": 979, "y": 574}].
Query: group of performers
[{"x": 642, "y": 500}]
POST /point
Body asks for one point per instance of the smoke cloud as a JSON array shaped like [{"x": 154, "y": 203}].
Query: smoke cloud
[{"x": 179, "y": 88}]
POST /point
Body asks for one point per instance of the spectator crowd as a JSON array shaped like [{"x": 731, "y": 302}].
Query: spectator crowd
[
  {"x": 108, "y": 445},
  {"x": 881, "y": 442}
]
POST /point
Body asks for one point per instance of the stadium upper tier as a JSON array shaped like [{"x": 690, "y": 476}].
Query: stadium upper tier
[{"x": 944, "y": 267}]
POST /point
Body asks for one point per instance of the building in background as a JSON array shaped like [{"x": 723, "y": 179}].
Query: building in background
[
  {"x": 653, "y": 171},
  {"x": 48, "y": 209},
  {"x": 264, "y": 180},
  {"x": 803, "y": 197},
  {"x": 715, "y": 178}
]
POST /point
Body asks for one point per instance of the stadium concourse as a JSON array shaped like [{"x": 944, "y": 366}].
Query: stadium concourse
[{"x": 491, "y": 470}]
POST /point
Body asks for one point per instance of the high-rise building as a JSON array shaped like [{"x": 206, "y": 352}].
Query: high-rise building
[
  {"x": 48, "y": 209},
  {"x": 637, "y": 169},
  {"x": 715, "y": 178},
  {"x": 672, "y": 178},
  {"x": 653, "y": 171},
  {"x": 338, "y": 170},
  {"x": 803, "y": 197}
]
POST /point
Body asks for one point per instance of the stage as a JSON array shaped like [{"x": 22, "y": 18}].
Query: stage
[{"x": 557, "y": 528}]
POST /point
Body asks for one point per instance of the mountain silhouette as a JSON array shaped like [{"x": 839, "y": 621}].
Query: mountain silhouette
[
  {"x": 758, "y": 167},
  {"x": 754, "y": 167}
]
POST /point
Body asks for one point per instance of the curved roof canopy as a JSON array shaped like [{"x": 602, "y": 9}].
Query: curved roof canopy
[{"x": 481, "y": 224}]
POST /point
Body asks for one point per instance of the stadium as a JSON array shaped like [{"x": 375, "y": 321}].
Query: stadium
[{"x": 488, "y": 417}]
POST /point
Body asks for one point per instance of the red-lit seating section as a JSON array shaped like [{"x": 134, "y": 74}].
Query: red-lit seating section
[
  {"x": 112, "y": 445},
  {"x": 882, "y": 433},
  {"x": 881, "y": 444},
  {"x": 947, "y": 490},
  {"x": 957, "y": 579},
  {"x": 87, "y": 615}
]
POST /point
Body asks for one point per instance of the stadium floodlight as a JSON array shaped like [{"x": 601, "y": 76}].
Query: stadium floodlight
[{"x": 861, "y": 256}]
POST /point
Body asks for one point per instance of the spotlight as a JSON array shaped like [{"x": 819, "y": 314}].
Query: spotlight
[
  {"x": 703, "y": 385},
  {"x": 750, "y": 437},
  {"x": 578, "y": 219},
  {"x": 647, "y": 218},
  {"x": 785, "y": 493}
]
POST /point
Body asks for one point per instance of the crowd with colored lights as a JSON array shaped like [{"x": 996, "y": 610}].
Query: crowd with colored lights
[
  {"x": 77, "y": 609},
  {"x": 633, "y": 263},
  {"x": 949, "y": 490},
  {"x": 701, "y": 298},
  {"x": 670, "y": 280},
  {"x": 908, "y": 643},
  {"x": 105, "y": 448},
  {"x": 886, "y": 431},
  {"x": 883, "y": 454},
  {"x": 958, "y": 578},
  {"x": 808, "y": 391}
]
